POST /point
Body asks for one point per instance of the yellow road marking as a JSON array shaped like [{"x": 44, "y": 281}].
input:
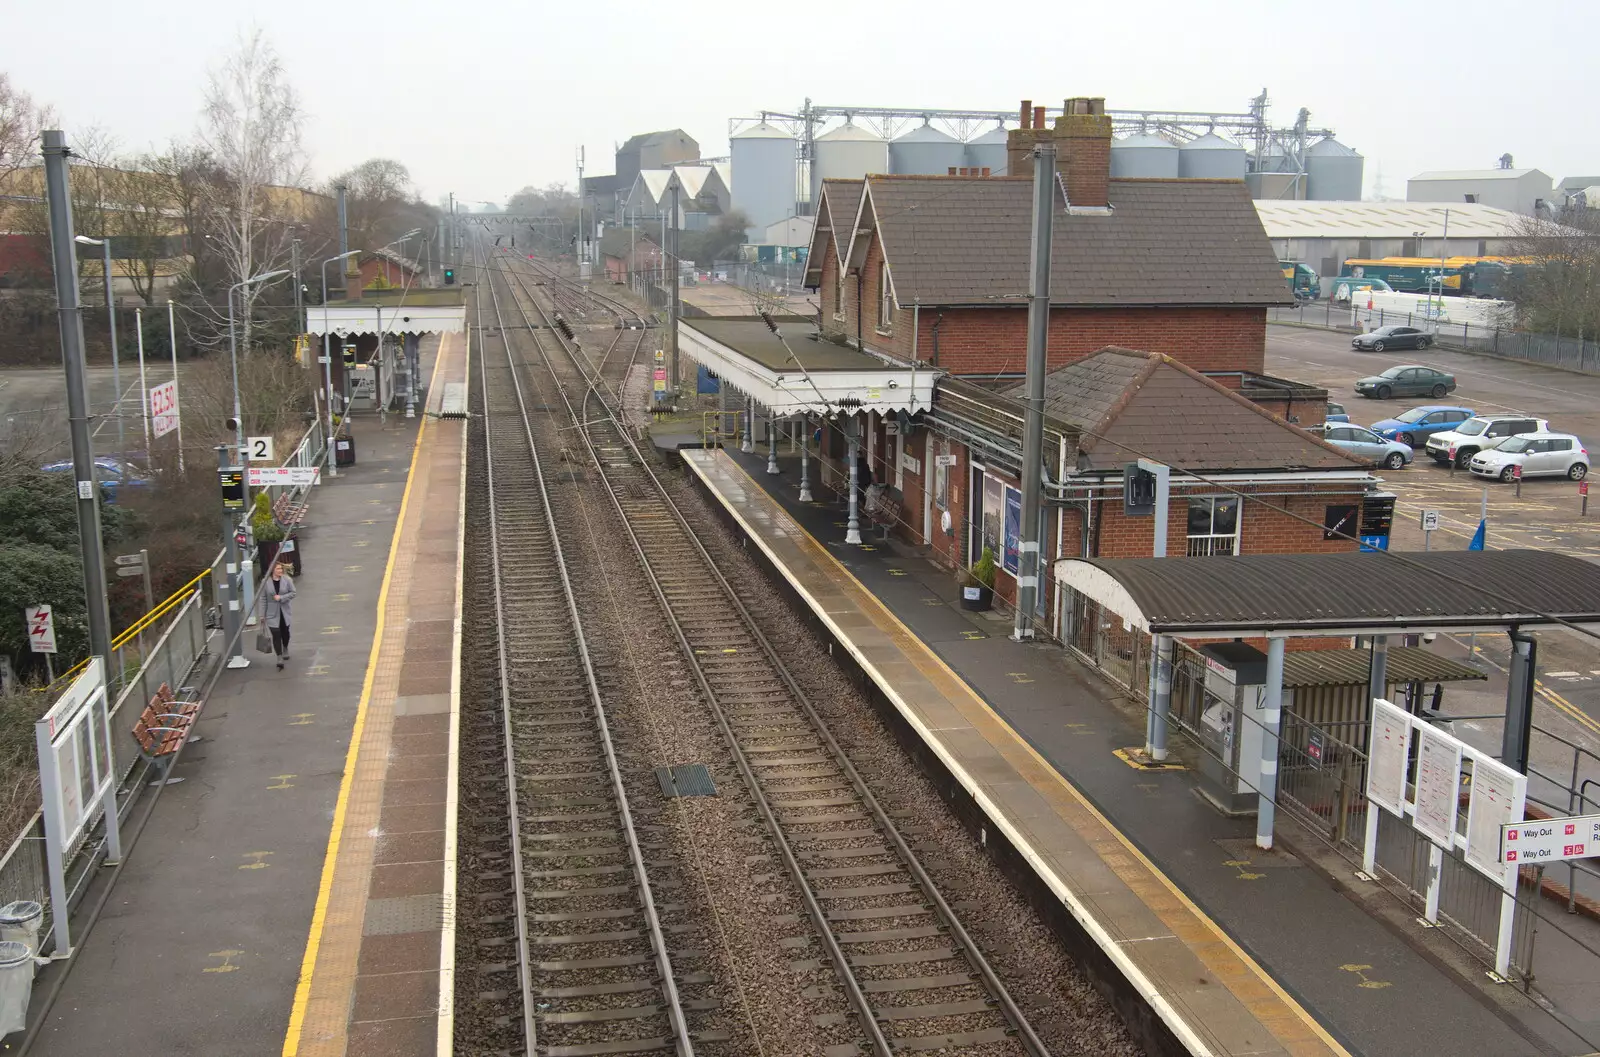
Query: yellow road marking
[
  {"x": 1245, "y": 875},
  {"x": 1361, "y": 971},
  {"x": 227, "y": 965},
  {"x": 256, "y": 864},
  {"x": 283, "y": 781},
  {"x": 301, "y": 719},
  {"x": 319, "y": 915}
]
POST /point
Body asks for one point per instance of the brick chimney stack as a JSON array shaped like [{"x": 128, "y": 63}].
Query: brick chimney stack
[
  {"x": 352, "y": 279},
  {"x": 1083, "y": 147},
  {"x": 1083, "y": 151}
]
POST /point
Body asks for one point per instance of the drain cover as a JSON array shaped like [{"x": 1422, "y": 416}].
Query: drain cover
[{"x": 688, "y": 779}]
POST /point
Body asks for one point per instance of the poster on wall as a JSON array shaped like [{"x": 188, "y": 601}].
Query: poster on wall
[
  {"x": 1013, "y": 538},
  {"x": 993, "y": 514}
]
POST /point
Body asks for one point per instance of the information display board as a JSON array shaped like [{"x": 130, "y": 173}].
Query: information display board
[
  {"x": 1438, "y": 778},
  {"x": 1389, "y": 754},
  {"x": 1497, "y": 800}
]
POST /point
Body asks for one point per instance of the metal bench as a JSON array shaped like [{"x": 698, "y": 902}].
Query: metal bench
[{"x": 289, "y": 513}]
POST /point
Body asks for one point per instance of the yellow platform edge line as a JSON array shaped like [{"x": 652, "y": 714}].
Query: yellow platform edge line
[
  {"x": 1151, "y": 994},
  {"x": 308, "y": 963}
]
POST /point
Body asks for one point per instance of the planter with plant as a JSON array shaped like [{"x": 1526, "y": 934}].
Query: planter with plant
[
  {"x": 269, "y": 536},
  {"x": 977, "y": 583}
]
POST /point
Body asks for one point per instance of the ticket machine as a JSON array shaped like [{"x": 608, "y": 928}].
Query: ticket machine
[{"x": 1230, "y": 725}]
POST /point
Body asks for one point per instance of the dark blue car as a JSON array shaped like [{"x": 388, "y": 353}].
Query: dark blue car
[
  {"x": 1414, "y": 427},
  {"x": 108, "y": 471}
]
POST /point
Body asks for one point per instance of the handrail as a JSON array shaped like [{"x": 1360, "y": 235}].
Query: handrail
[{"x": 162, "y": 608}]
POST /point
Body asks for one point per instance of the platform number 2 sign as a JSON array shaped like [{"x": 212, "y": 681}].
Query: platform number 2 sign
[
  {"x": 258, "y": 449},
  {"x": 41, "y": 628}
]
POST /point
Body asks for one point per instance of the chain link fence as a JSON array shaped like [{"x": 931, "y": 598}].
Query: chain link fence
[{"x": 1572, "y": 353}]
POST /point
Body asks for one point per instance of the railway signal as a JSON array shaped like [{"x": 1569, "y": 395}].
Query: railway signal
[{"x": 449, "y": 277}]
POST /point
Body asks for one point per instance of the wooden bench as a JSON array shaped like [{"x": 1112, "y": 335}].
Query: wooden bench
[
  {"x": 163, "y": 727},
  {"x": 288, "y": 513},
  {"x": 883, "y": 511}
]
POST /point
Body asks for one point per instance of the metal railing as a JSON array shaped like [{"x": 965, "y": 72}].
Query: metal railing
[
  {"x": 172, "y": 659},
  {"x": 1552, "y": 350}
]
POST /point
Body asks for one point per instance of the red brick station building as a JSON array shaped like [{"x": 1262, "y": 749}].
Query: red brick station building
[{"x": 1157, "y": 340}]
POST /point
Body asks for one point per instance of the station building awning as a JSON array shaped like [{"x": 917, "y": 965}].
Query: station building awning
[
  {"x": 798, "y": 373},
  {"x": 1353, "y": 593},
  {"x": 391, "y": 312}
]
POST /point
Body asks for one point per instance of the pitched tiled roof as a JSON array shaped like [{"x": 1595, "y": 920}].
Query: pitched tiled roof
[
  {"x": 1129, "y": 403},
  {"x": 839, "y": 201},
  {"x": 955, "y": 240}
]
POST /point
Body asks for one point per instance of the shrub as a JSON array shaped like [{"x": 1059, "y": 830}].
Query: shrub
[{"x": 983, "y": 570}]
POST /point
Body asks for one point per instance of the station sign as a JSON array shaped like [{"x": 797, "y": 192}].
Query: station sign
[
  {"x": 1550, "y": 840},
  {"x": 293, "y": 476},
  {"x": 1430, "y": 521},
  {"x": 232, "y": 481},
  {"x": 41, "y": 628}
]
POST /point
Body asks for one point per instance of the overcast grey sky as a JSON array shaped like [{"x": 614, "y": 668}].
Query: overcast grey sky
[{"x": 483, "y": 98}]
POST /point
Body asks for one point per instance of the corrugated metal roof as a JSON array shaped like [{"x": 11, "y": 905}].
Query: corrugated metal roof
[
  {"x": 1384, "y": 220},
  {"x": 1406, "y": 664},
  {"x": 1474, "y": 174},
  {"x": 1267, "y": 592},
  {"x": 962, "y": 241}
]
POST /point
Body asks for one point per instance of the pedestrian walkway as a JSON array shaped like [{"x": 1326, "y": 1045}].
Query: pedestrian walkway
[
  {"x": 1378, "y": 995},
  {"x": 200, "y": 948}
]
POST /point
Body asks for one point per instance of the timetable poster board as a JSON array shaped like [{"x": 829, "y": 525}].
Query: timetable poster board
[
  {"x": 1387, "y": 754},
  {"x": 1499, "y": 795},
  {"x": 1438, "y": 782}
]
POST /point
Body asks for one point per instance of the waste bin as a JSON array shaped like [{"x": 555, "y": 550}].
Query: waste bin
[
  {"x": 344, "y": 451},
  {"x": 16, "y": 985},
  {"x": 20, "y": 922}
]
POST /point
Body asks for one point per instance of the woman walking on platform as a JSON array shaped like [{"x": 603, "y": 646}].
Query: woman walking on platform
[{"x": 277, "y": 603}]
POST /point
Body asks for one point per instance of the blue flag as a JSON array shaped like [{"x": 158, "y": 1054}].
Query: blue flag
[{"x": 1477, "y": 537}]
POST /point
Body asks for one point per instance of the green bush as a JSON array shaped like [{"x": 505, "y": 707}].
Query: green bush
[
  {"x": 262, "y": 523},
  {"x": 983, "y": 570}
]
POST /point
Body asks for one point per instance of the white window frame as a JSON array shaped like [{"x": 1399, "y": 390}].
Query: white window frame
[
  {"x": 1214, "y": 543},
  {"x": 885, "y": 300}
]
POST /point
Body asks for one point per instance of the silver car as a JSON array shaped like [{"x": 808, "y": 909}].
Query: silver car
[
  {"x": 1536, "y": 454},
  {"x": 1362, "y": 442}
]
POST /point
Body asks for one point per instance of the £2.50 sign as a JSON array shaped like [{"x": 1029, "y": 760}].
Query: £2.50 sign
[{"x": 164, "y": 408}]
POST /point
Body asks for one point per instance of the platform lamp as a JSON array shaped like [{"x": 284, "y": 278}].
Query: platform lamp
[
  {"x": 327, "y": 361},
  {"x": 116, "y": 356},
  {"x": 233, "y": 354}
]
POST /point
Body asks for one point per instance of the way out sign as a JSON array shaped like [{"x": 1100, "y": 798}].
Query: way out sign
[
  {"x": 164, "y": 408},
  {"x": 41, "y": 628},
  {"x": 1550, "y": 840}
]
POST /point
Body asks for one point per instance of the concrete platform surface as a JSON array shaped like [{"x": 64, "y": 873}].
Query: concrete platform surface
[
  {"x": 1325, "y": 956},
  {"x": 201, "y": 945}
]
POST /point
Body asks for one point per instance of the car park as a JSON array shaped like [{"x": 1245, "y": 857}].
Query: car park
[
  {"x": 109, "y": 471},
  {"x": 1362, "y": 442},
  {"x": 1476, "y": 434},
  {"x": 1541, "y": 454},
  {"x": 1391, "y": 337},
  {"x": 1415, "y": 426},
  {"x": 1407, "y": 379}
]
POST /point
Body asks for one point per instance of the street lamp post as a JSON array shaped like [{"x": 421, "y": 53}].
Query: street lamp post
[
  {"x": 327, "y": 361},
  {"x": 233, "y": 354},
  {"x": 116, "y": 359}
]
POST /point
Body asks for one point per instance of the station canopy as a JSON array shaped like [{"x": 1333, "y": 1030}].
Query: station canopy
[
  {"x": 794, "y": 372},
  {"x": 432, "y": 311},
  {"x": 1353, "y": 593}
]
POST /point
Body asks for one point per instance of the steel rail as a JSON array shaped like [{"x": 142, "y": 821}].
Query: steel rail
[
  {"x": 658, "y": 942},
  {"x": 991, "y": 981}
]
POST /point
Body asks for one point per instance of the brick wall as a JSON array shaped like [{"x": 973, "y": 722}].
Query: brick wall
[
  {"x": 1268, "y": 526},
  {"x": 992, "y": 340}
]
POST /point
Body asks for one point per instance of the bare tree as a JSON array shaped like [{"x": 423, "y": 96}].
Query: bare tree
[
  {"x": 251, "y": 129},
  {"x": 1556, "y": 284},
  {"x": 376, "y": 192},
  {"x": 21, "y": 121}
]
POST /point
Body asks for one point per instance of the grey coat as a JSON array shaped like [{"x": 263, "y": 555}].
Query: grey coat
[{"x": 270, "y": 608}]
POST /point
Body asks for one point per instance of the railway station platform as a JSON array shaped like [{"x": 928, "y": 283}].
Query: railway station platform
[
  {"x": 1235, "y": 951},
  {"x": 299, "y": 880}
]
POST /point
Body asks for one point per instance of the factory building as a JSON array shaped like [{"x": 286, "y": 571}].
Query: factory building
[
  {"x": 703, "y": 195},
  {"x": 1525, "y": 191},
  {"x": 1326, "y": 234},
  {"x": 647, "y": 150}
]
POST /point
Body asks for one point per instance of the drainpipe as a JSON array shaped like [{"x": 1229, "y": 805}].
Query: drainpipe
[
  {"x": 936, "y": 323},
  {"x": 860, "y": 341}
]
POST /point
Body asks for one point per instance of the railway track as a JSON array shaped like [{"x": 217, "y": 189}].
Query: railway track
[
  {"x": 589, "y": 935},
  {"x": 913, "y": 978}
]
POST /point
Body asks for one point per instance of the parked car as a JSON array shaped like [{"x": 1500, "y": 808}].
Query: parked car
[
  {"x": 1541, "y": 454},
  {"x": 1476, "y": 434},
  {"x": 109, "y": 471},
  {"x": 1362, "y": 442},
  {"x": 1417, "y": 425},
  {"x": 1336, "y": 413},
  {"x": 1392, "y": 337},
  {"x": 1407, "y": 379}
]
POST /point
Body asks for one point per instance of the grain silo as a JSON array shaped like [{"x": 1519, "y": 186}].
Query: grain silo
[
  {"x": 847, "y": 153},
  {"x": 1335, "y": 172},
  {"x": 1211, "y": 157},
  {"x": 925, "y": 151},
  {"x": 763, "y": 160},
  {"x": 1144, "y": 155},
  {"x": 988, "y": 151}
]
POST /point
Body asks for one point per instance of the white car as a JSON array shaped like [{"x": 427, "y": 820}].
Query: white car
[
  {"x": 1539, "y": 454},
  {"x": 1476, "y": 434}
]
